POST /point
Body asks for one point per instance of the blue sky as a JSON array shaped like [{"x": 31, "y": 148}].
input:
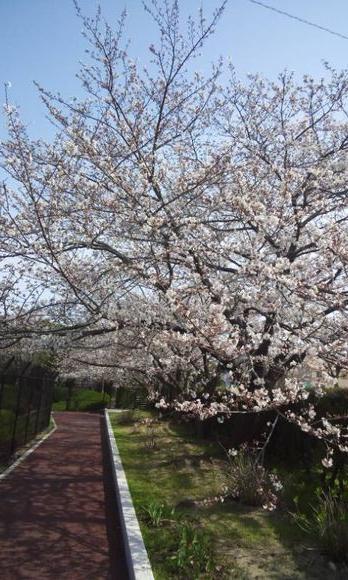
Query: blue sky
[{"x": 41, "y": 40}]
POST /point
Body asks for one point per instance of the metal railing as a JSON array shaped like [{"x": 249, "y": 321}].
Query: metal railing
[{"x": 26, "y": 391}]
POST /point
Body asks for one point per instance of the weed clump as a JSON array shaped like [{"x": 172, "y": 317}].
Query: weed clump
[
  {"x": 247, "y": 480},
  {"x": 126, "y": 417},
  {"x": 328, "y": 524},
  {"x": 156, "y": 514},
  {"x": 194, "y": 556}
]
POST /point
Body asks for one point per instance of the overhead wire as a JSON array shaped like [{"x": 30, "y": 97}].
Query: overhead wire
[{"x": 298, "y": 18}]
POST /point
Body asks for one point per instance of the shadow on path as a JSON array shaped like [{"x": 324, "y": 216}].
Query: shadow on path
[{"x": 58, "y": 513}]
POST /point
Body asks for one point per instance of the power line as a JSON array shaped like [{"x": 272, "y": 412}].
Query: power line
[{"x": 283, "y": 13}]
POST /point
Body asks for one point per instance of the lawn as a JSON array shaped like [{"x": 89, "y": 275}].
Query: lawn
[{"x": 174, "y": 478}]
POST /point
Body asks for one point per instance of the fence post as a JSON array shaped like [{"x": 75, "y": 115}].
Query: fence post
[
  {"x": 30, "y": 403},
  {"x": 51, "y": 381},
  {"x": 46, "y": 383},
  {"x": 38, "y": 411},
  {"x": 116, "y": 397}
]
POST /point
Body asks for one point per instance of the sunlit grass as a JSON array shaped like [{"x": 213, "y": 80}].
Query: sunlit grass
[{"x": 182, "y": 471}]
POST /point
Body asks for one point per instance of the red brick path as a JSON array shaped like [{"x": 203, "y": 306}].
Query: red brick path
[{"x": 58, "y": 515}]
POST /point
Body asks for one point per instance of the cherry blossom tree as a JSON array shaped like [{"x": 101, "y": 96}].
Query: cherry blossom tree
[{"x": 185, "y": 226}]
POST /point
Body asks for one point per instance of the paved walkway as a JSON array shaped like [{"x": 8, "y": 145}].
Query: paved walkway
[{"x": 58, "y": 515}]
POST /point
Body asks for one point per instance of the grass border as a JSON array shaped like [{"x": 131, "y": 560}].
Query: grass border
[
  {"x": 138, "y": 562},
  {"x": 29, "y": 451}
]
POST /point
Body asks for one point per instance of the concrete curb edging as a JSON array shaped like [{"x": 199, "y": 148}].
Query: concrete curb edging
[
  {"x": 31, "y": 449},
  {"x": 139, "y": 566}
]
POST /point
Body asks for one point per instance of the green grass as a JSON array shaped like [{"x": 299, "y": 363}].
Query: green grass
[
  {"x": 181, "y": 469},
  {"x": 84, "y": 400}
]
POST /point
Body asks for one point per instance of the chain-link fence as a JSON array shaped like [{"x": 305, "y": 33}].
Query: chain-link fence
[{"x": 25, "y": 403}]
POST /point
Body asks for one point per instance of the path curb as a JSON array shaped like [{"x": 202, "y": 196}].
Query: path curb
[
  {"x": 28, "y": 452},
  {"x": 139, "y": 566}
]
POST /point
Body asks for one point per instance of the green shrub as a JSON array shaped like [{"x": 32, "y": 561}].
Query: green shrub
[
  {"x": 60, "y": 393},
  {"x": 84, "y": 400}
]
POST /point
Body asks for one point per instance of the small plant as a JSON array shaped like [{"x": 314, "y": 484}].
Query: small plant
[
  {"x": 194, "y": 556},
  {"x": 328, "y": 523},
  {"x": 126, "y": 417},
  {"x": 156, "y": 514},
  {"x": 249, "y": 481},
  {"x": 150, "y": 440}
]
